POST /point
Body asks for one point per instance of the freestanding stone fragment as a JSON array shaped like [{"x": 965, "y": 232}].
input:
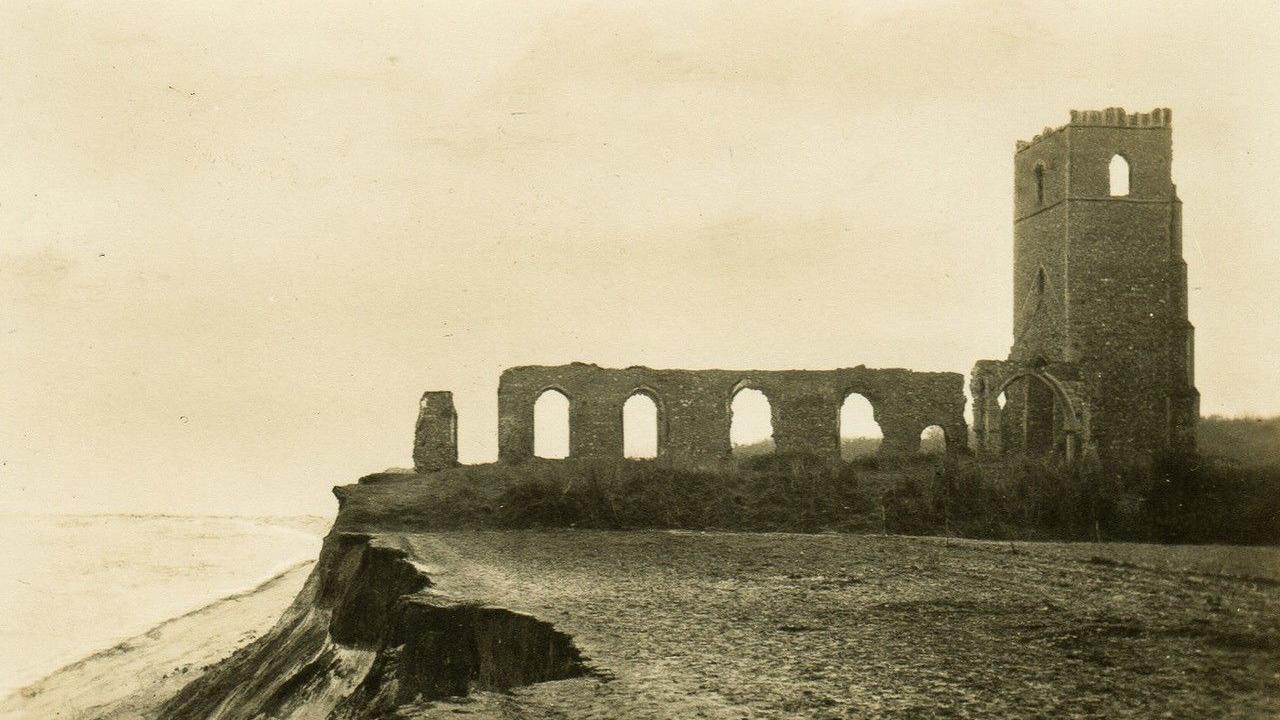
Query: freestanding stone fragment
[{"x": 435, "y": 444}]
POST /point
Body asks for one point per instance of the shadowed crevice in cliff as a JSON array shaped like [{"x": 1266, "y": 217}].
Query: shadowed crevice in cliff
[
  {"x": 442, "y": 651},
  {"x": 366, "y": 635},
  {"x": 365, "y": 607}
]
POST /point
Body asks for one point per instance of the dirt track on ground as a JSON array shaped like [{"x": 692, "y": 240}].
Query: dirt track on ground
[{"x": 763, "y": 625}]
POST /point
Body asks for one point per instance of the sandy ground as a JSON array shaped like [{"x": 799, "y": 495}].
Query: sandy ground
[
  {"x": 835, "y": 626},
  {"x": 128, "y": 680}
]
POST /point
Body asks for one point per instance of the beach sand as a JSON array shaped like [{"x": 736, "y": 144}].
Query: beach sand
[{"x": 130, "y": 679}]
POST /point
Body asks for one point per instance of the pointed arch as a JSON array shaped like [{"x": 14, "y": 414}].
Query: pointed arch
[
  {"x": 1037, "y": 293},
  {"x": 1044, "y": 419}
]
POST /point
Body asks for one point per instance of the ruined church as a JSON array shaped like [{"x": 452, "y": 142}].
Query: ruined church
[{"x": 1102, "y": 361}]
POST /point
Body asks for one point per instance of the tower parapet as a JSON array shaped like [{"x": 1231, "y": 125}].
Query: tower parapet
[
  {"x": 1111, "y": 117},
  {"x": 1117, "y": 117}
]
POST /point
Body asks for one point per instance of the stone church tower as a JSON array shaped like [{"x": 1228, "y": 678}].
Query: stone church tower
[{"x": 1102, "y": 357}]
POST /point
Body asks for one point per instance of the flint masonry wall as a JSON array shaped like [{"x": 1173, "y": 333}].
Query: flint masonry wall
[
  {"x": 694, "y": 408},
  {"x": 1100, "y": 282},
  {"x": 1129, "y": 328}
]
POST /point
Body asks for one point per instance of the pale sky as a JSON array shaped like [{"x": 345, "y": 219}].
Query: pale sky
[{"x": 238, "y": 240}]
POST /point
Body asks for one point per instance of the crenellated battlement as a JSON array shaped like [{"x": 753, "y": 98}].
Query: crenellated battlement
[
  {"x": 1117, "y": 117},
  {"x": 1024, "y": 144},
  {"x": 1111, "y": 117}
]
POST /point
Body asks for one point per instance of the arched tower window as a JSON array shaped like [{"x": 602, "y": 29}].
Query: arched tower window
[
  {"x": 1119, "y": 176},
  {"x": 1040, "y": 282},
  {"x": 1039, "y": 184}
]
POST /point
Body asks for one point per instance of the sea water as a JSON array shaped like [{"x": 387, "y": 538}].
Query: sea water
[{"x": 71, "y": 585}]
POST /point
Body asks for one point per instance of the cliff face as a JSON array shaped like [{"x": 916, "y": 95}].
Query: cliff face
[{"x": 368, "y": 634}]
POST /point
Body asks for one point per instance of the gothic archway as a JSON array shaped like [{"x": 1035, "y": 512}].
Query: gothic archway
[{"x": 1038, "y": 416}]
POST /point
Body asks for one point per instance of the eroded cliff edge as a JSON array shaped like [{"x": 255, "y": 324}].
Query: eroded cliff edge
[{"x": 368, "y": 634}]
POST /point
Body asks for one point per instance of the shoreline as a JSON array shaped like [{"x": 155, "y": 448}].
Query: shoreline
[
  {"x": 140, "y": 671},
  {"x": 122, "y": 645},
  {"x": 133, "y": 589}
]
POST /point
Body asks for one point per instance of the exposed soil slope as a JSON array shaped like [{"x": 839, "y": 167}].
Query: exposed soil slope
[{"x": 367, "y": 635}]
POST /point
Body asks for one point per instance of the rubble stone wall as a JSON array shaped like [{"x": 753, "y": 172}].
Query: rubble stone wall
[{"x": 694, "y": 408}]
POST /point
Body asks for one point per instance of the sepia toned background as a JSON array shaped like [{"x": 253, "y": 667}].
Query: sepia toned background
[{"x": 237, "y": 242}]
